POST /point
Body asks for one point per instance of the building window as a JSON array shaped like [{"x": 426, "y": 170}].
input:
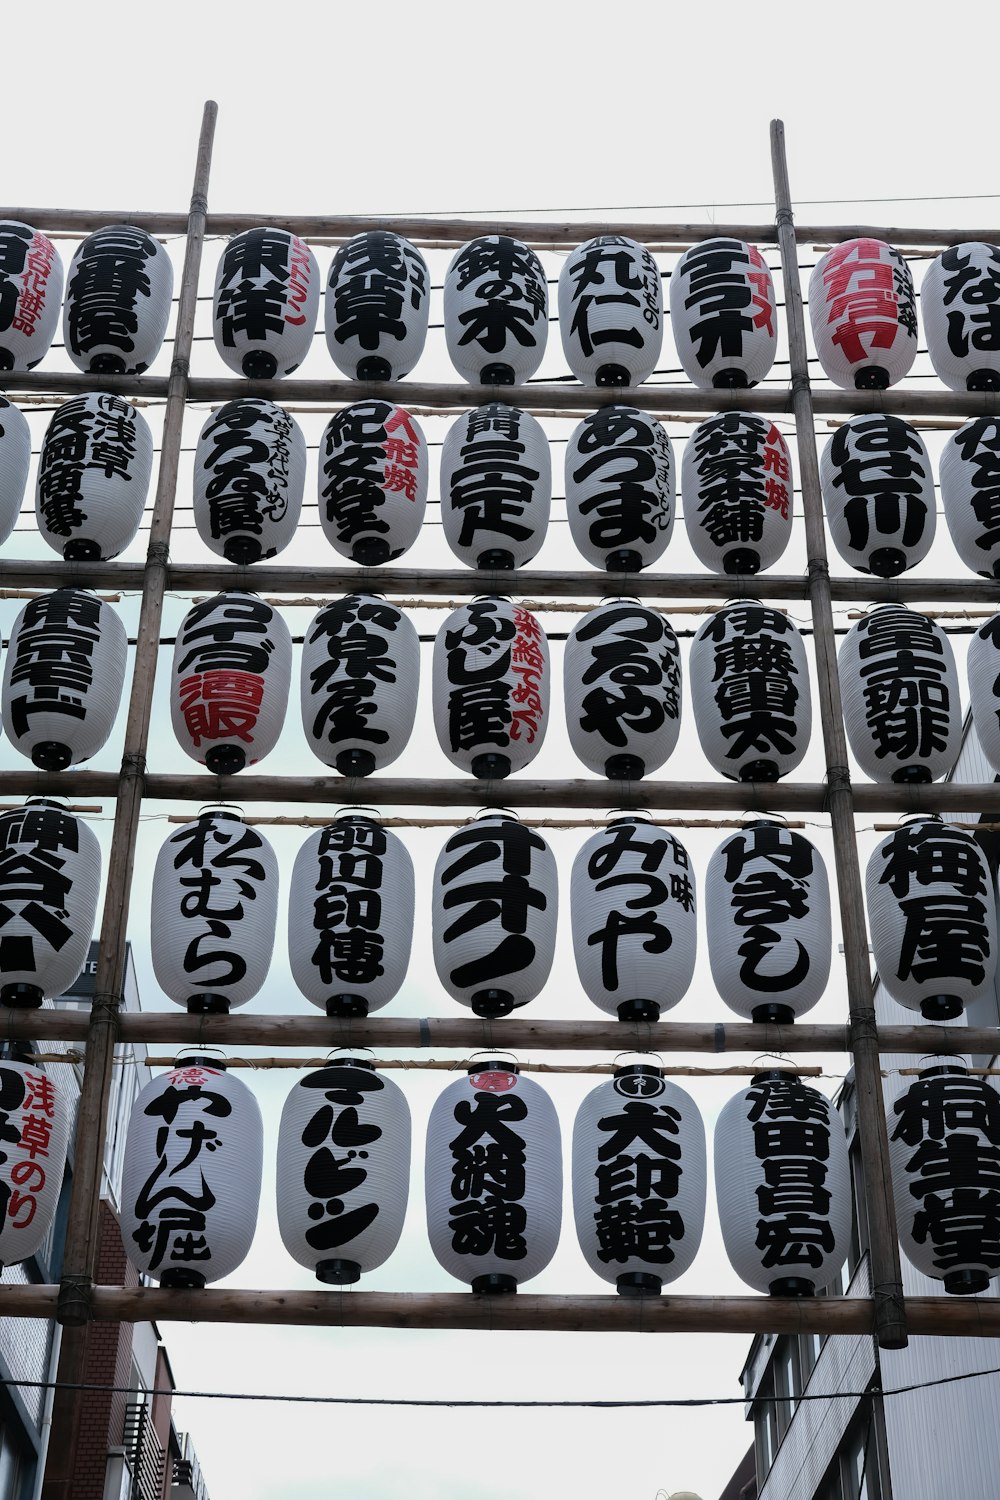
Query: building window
[
  {"x": 854, "y": 1473},
  {"x": 776, "y": 1399},
  {"x": 10, "y": 1466}
]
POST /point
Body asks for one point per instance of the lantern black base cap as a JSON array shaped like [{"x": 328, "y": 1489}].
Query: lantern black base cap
[
  {"x": 7, "y": 360},
  {"x": 50, "y": 755},
  {"x": 496, "y": 560},
  {"x": 259, "y": 365},
  {"x": 872, "y": 379},
  {"x": 495, "y": 1284},
  {"x": 732, "y": 380},
  {"x": 374, "y": 367},
  {"x": 496, "y": 375},
  {"x": 611, "y": 375},
  {"x": 355, "y": 762},
  {"x": 742, "y": 561},
  {"x": 638, "y": 1284},
  {"x": 966, "y": 1283},
  {"x": 338, "y": 1272},
  {"x": 639, "y": 1010},
  {"x": 983, "y": 380},
  {"x": 887, "y": 562},
  {"x": 371, "y": 552},
  {"x": 80, "y": 549},
  {"x": 19, "y": 1050},
  {"x": 624, "y": 768},
  {"x": 182, "y": 1278},
  {"x": 108, "y": 364},
  {"x": 791, "y": 1286},
  {"x": 225, "y": 760},
  {"x": 491, "y": 1003},
  {"x": 346, "y": 1005},
  {"x": 21, "y": 996},
  {"x": 207, "y": 1004},
  {"x": 624, "y": 560},
  {"x": 912, "y": 775},
  {"x": 242, "y": 550},
  {"x": 490, "y": 766},
  {"x": 941, "y": 1007},
  {"x": 759, "y": 770},
  {"x": 772, "y": 1015}
]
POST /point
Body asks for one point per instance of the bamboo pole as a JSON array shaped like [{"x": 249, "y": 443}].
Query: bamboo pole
[{"x": 887, "y": 1278}]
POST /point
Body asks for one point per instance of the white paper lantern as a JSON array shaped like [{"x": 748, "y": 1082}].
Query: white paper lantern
[
  {"x": 491, "y": 687},
  {"x": 878, "y": 491},
  {"x": 50, "y": 878},
  {"x": 350, "y": 916},
  {"x": 783, "y": 1184},
  {"x": 611, "y": 311},
  {"x": 34, "y": 1134},
  {"x": 944, "y": 1155},
  {"x": 623, "y": 691},
  {"x": 736, "y": 480},
  {"x": 343, "y": 1170},
  {"x": 969, "y": 472},
  {"x": 750, "y": 689},
  {"x": 633, "y": 903},
  {"x": 899, "y": 688},
  {"x": 493, "y": 1178},
  {"x": 983, "y": 666},
  {"x": 31, "y": 285},
  {"x": 496, "y": 311},
  {"x": 191, "y": 1176},
  {"x": 496, "y": 487},
  {"x": 723, "y": 314},
  {"x": 266, "y": 301},
  {"x": 229, "y": 681},
  {"x": 620, "y": 488},
  {"x": 15, "y": 460},
  {"x": 767, "y": 902},
  {"x": 93, "y": 477},
  {"x": 249, "y": 475},
  {"x": 958, "y": 298},
  {"x": 372, "y": 481},
  {"x": 63, "y": 678},
  {"x": 639, "y": 1180},
  {"x": 360, "y": 675},
  {"x": 213, "y": 913},
  {"x": 118, "y": 295},
  {"x": 933, "y": 918},
  {"x": 493, "y": 914},
  {"x": 863, "y": 311},
  {"x": 376, "y": 306}
]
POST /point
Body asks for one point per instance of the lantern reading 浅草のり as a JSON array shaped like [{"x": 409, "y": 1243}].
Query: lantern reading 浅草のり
[{"x": 35, "y": 1121}]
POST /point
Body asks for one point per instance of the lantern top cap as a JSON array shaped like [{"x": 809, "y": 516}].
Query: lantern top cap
[
  {"x": 350, "y": 1061},
  {"x": 492, "y": 1064},
  {"x": 202, "y": 1057},
  {"x": 776, "y": 1075},
  {"x": 635, "y": 1070}
]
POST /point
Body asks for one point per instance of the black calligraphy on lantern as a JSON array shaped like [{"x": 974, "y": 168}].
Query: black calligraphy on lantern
[
  {"x": 488, "y": 1180},
  {"x": 245, "y": 451},
  {"x": 488, "y": 882},
  {"x": 35, "y": 883},
  {"x": 869, "y": 296},
  {"x": 371, "y": 455},
  {"x": 624, "y": 475},
  {"x": 971, "y": 293},
  {"x": 638, "y": 1179},
  {"x": 881, "y": 470},
  {"x": 347, "y": 907},
  {"x": 505, "y": 287},
  {"x": 938, "y": 877},
  {"x": 374, "y": 278},
  {"x": 492, "y": 485},
  {"x": 109, "y": 280},
  {"x": 791, "y": 1140},
  {"x": 728, "y": 294},
  {"x": 219, "y": 876},
  {"x": 633, "y": 676},
  {"x": 263, "y": 285},
  {"x": 478, "y": 652},
  {"x": 175, "y": 1200},
  {"x": 647, "y": 869},
  {"x": 905, "y": 674},
  {"x": 335, "y": 1174},
  {"x": 757, "y": 677},
  {"x": 615, "y": 290},
  {"x": 767, "y": 871},
  {"x": 53, "y": 667},
  {"x": 742, "y": 468},
  {"x": 358, "y": 667},
  {"x": 978, "y": 444},
  {"x": 94, "y": 435},
  {"x": 223, "y": 651}
]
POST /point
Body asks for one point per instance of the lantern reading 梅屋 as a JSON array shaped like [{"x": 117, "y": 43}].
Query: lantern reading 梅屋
[
  {"x": 722, "y": 313},
  {"x": 15, "y": 460},
  {"x": 265, "y": 303},
  {"x": 376, "y": 306},
  {"x": 31, "y": 283},
  {"x": 35, "y": 1119},
  {"x": 958, "y": 298},
  {"x": 496, "y": 311},
  {"x": 969, "y": 473},
  {"x": 118, "y": 294},
  {"x": 496, "y": 487},
  {"x": 93, "y": 477},
  {"x": 611, "y": 311},
  {"x": 736, "y": 484},
  {"x": 620, "y": 488},
  {"x": 878, "y": 491},
  {"x": 863, "y": 311},
  {"x": 249, "y": 475},
  {"x": 372, "y": 481}
]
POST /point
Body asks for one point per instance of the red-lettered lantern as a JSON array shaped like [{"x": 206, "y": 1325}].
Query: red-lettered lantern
[
  {"x": 376, "y": 306},
  {"x": 63, "y": 678},
  {"x": 249, "y": 475},
  {"x": 878, "y": 491},
  {"x": 350, "y": 916},
  {"x": 15, "y": 460},
  {"x": 496, "y": 311},
  {"x": 496, "y": 487},
  {"x": 620, "y": 488},
  {"x": 343, "y": 1170},
  {"x": 229, "y": 681},
  {"x": 863, "y": 311},
  {"x": 983, "y": 667},
  {"x": 266, "y": 301},
  {"x": 194, "y": 1155},
  {"x": 118, "y": 294},
  {"x": 969, "y": 472},
  {"x": 957, "y": 298},
  {"x": 372, "y": 481},
  {"x": 639, "y": 1180},
  {"x": 736, "y": 481},
  {"x": 633, "y": 903},
  {"x": 722, "y": 313},
  {"x": 498, "y": 1228},
  {"x": 31, "y": 284},
  {"x": 93, "y": 477},
  {"x": 35, "y": 1119},
  {"x": 611, "y": 311}
]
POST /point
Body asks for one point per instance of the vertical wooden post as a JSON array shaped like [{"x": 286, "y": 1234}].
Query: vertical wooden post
[{"x": 887, "y": 1283}]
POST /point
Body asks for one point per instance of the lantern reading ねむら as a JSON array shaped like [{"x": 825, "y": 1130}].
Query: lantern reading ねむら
[
  {"x": 496, "y": 487},
  {"x": 878, "y": 491},
  {"x": 372, "y": 481},
  {"x": 31, "y": 283},
  {"x": 736, "y": 483},
  {"x": 620, "y": 488},
  {"x": 35, "y": 1120},
  {"x": 376, "y": 306},
  {"x": 265, "y": 304},
  {"x": 496, "y": 311},
  {"x": 958, "y": 298},
  {"x": 93, "y": 477},
  {"x": 863, "y": 311},
  {"x": 722, "y": 312},
  {"x": 611, "y": 311},
  {"x": 249, "y": 474},
  {"x": 118, "y": 294}
]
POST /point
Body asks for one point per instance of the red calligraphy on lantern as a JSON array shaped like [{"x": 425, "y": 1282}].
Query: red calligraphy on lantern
[
  {"x": 31, "y": 299},
  {"x": 221, "y": 705},
  {"x": 861, "y": 298},
  {"x": 527, "y": 661},
  {"x": 402, "y": 455},
  {"x": 777, "y": 472},
  {"x": 194, "y": 1076},
  {"x": 298, "y": 280},
  {"x": 760, "y": 280},
  {"x": 35, "y": 1125}
]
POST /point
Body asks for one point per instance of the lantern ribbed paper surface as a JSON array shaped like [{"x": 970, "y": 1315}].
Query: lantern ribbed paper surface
[
  {"x": 767, "y": 903},
  {"x": 350, "y": 916},
  {"x": 736, "y": 481},
  {"x": 863, "y": 311},
  {"x": 343, "y": 1170},
  {"x": 969, "y": 473},
  {"x": 376, "y": 306},
  {"x": 496, "y": 311},
  {"x": 491, "y": 687},
  {"x": 63, "y": 678},
  {"x": 50, "y": 877},
  {"x": 214, "y": 912},
  {"x": 958, "y": 297},
  {"x": 249, "y": 475},
  {"x": 493, "y": 914},
  {"x": 722, "y": 313},
  {"x": 633, "y": 903},
  {"x": 944, "y": 1156},
  {"x": 983, "y": 666},
  {"x": 750, "y": 689},
  {"x": 620, "y": 488},
  {"x": 15, "y": 460},
  {"x": 266, "y": 301},
  {"x": 932, "y": 917},
  {"x": 118, "y": 293},
  {"x": 899, "y": 688},
  {"x": 372, "y": 481},
  {"x": 611, "y": 311},
  {"x": 623, "y": 691},
  {"x": 496, "y": 487},
  {"x": 31, "y": 285},
  {"x": 493, "y": 1228},
  {"x": 93, "y": 477},
  {"x": 191, "y": 1179},
  {"x": 34, "y": 1118},
  {"x": 639, "y": 1179},
  {"x": 229, "y": 681},
  {"x": 878, "y": 490},
  {"x": 783, "y": 1185},
  {"x": 360, "y": 675}
]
